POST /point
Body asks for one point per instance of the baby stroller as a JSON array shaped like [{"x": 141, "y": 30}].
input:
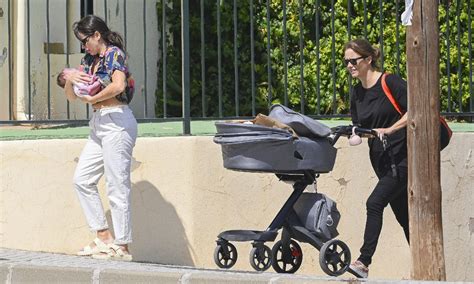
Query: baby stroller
[{"x": 305, "y": 217}]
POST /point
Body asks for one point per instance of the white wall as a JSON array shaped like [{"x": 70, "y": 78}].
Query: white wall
[
  {"x": 58, "y": 27},
  {"x": 4, "y": 63}
]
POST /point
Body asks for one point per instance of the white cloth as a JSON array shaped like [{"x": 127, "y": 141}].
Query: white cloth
[
  {"x": 108, "y": 150},
  {"x": 408, "y": 13}
]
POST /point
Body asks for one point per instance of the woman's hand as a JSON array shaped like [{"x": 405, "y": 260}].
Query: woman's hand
[
  {"x": 384, "y": 131},
  {"x": 78, "y": 77},
  {"x": 401, "y": 123}
]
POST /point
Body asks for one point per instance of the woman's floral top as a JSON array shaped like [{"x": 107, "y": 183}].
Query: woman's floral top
[{"x": 112, "y": 59}]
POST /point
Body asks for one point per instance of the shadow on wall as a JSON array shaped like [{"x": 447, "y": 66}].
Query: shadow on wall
[{"x": 157, "y": 232}]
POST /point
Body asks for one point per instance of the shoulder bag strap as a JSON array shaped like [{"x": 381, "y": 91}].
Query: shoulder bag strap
[{"x": 389, "y": 95}]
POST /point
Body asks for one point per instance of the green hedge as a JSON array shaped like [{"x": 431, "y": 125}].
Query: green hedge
[{"x": 326, "y": 76}]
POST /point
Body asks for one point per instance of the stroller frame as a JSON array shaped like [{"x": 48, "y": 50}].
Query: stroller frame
[{"x": 286, "y": 255}]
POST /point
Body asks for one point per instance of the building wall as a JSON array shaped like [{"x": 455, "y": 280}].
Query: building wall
[
  {"x": 4, "y": 62},
  {"x": 182, "y": 198},
  {"x": 138, "y": 28}
]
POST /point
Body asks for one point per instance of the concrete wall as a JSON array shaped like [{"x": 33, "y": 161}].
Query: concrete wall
[
  {"x": 136, "y": 46},
  {"x": 182, "y": 198}
]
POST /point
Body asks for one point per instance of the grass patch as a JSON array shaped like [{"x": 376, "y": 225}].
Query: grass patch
[{"x": 152, "y": 129}]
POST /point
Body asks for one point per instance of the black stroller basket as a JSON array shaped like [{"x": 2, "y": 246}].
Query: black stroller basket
[{"x": 299, "y": 161}]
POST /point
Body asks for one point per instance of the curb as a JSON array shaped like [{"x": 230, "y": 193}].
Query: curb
[
  {"x": 21, "y": 273},
  {"x": 18, "y": 266}
]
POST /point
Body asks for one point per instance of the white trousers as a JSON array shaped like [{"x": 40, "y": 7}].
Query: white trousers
[{"x": 108, "y": 150}]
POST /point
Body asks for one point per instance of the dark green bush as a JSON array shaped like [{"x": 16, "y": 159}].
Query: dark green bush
[{"x": 326, "y": 76}]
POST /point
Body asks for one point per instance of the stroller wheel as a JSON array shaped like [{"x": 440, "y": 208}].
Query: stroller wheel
[
  {"x": 225, "y": 255},
  {"x": 260, "y": 257},
  {"x": 334, "y": 257},
  {"x": 287, "y": 261}
]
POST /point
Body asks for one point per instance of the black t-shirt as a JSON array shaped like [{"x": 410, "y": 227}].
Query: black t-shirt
[{"x": 370, "y": 108}]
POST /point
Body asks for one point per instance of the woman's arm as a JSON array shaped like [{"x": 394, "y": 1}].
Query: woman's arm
[
  {"x": 69, "y": 90},
  {"x": 401, "y": 123},
  {"x": 116, "y": 87}
]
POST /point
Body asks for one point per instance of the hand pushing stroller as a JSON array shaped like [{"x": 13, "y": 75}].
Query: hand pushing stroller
[{"x": 305, "y": 217}]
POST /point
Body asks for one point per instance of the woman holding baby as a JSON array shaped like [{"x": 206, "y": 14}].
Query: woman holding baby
[{"x": 113, "y": 132}]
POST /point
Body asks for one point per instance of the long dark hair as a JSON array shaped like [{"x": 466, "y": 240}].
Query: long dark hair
[
  {"x": 364, "y": 48},
  {"x": 91, "y": 24}
]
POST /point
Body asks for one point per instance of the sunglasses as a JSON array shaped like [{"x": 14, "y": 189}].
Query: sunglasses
[
  {"x": 85, "y": 40},
  {"x": 353, "y": 61}
]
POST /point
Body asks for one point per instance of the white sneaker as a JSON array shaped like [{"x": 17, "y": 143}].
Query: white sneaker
[{"x": 359, "y": 269}]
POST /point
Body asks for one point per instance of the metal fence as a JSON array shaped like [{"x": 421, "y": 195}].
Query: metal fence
[{"x": 455, "y": 101}]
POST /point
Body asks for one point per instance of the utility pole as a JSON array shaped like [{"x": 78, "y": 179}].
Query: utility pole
[{"x": 424, "y": 188}]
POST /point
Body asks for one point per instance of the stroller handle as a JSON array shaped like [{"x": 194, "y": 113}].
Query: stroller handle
[
  {"x": 339, "y": 131},
  {"x": 366, "y": 131},
  {"x": 346, "y": 130}
]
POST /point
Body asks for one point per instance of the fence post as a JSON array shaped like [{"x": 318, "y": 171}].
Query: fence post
[
  {"x": 424, "y": 189},
  {"x": 185, "y": 84}
]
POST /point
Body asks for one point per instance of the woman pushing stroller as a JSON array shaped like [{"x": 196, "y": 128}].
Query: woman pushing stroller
[{"x": 370, "y": 108}]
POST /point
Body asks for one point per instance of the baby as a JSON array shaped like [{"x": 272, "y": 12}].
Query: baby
[{"x": 81, "y": 89}]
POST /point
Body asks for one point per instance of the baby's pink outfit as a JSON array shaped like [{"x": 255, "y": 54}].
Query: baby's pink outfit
[
  {"x": 82, "y": 89},
  {"x": 91, "y": 88}
]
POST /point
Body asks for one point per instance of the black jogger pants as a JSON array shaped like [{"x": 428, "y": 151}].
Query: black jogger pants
[{"x": 389, "y": 190}]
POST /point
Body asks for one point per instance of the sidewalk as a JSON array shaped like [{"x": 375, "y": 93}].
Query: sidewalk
[{"x": 17, "y": 266}]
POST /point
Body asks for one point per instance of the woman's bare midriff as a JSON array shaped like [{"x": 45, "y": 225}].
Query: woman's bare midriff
[{"x": 107, "y": 103}]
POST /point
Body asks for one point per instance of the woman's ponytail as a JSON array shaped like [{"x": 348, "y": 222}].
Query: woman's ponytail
[
  {"x": 114, "y": 38},
  {"x": 375, "y": 58},
  {"x": 90, "y": 24}
]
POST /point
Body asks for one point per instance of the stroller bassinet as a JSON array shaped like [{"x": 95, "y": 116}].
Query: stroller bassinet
[{"x": 257, "y": 148}]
